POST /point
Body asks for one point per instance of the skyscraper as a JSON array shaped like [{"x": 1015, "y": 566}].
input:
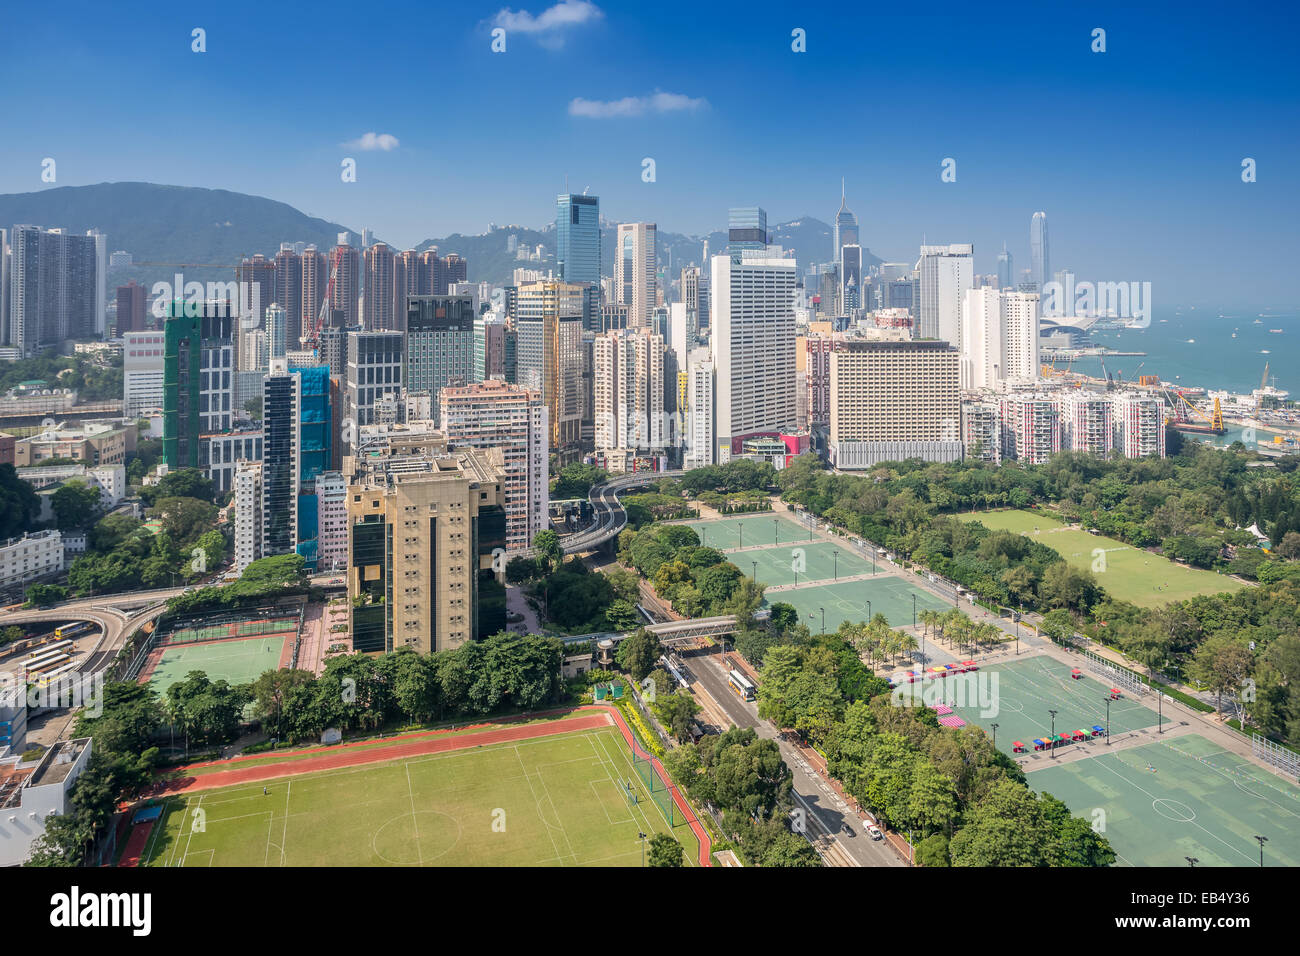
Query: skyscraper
[
  {"x": 549, "y": 353},
  {"x": 315, "y": 279},
  {"x": 846, "y": 225},
  {"x": 101, "y": 278},
  {"x": 577, "y": 238},
  {"x": 131, "y": 308},
  {"x": 379, "y": 288},
  {"x": 281, "y": 411},
  {"x": 53, "y": 288},
  {"x": 634, "y": 270},
  {"x": 288, "y": 293},
  {"x": 753, "y": 344},
  {"x": 746, "y": 229},
  {"x": 439, "y": 344},
  {"x": 1040, "y": 269},
  {"x": 851, "y": 279},
  {"x": 946, "y": 273},
  {"x": 345, "y": 270},
  {"x": 257, "y": 274},
  {"x": 1006, "y": 274},
  {"x": 999, "y": 337}
]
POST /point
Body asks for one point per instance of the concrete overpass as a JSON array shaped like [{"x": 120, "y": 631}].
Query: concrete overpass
[
  {"x": 670, "y": 633},
  {"x": 611, "y": 519}
]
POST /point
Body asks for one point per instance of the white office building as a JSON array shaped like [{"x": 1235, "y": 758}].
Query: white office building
[
  {"x": 753, "y": 346},
  {"x": 700, "y": 411},
  {"x": 947, "y": 273},
  {"x": 30, "y": 557},
  {"x": 999, "y": 338},
  {"x": 248, "y": 513}
]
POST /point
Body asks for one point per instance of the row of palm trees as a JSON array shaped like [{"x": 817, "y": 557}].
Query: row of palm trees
[
  {"x": 877, "y": 641},
  {"x": 960, "y": 632}
]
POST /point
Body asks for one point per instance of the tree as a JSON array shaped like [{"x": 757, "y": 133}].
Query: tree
[
  {"x": 1223, "y": 664},
  {"x": 665, "y": 851},
  {"x": 75, "y": 503},
  {"x": 43, "y": 595},
  {"x": 678, "y": 711},
  {"x": 933, "y": 851},
  {"x": 638, "y": 653}
]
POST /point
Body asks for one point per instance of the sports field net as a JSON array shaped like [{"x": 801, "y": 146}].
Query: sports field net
[
  {"x": 1118, "y": 676},
  {"x": 220, "y": 632},
  {"x": 655, "y": 786}
]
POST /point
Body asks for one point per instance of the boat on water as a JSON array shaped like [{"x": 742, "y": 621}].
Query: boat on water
[
  {"x": 1276, "y": 331},
  {"x": 1258, "y": 322},
  {"x": 1191, "y": 341},
  {"x": 1265, "y": 352}
]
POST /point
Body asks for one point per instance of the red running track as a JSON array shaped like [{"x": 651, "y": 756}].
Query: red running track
[
  {"x": 134, "y": 848},
  {"x": 332, "y": 758}
]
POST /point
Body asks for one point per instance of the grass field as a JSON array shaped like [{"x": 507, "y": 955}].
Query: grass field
[
  {"x": 1200, "y": 802},
  {"x": 1130, "y": 574},
  {"x": 236, "y": 662},
  {"x": 847, "y": 601},
  {"x": 1027, "y": 689},
  {"x": 759, "y": 528},
  {"x": 549, "y": 801}
]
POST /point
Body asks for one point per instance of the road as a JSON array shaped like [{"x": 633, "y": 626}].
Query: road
[{"x": 826, "y": 812}]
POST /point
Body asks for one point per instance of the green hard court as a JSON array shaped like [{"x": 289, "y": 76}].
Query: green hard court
[
  {"x": 802, "y": 562},
  {"x": 236, "y": 662},
  {"x": 1024, "y": 691},
  {"x": 1178, "y": 798},
  {"x": 758, "y": 528},
  {"x": 551, "y": 801},
  {"x": 889, "y": 595}
]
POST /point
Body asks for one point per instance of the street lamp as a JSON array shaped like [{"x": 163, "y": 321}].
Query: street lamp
[
  {"x": 776, "y": 525},
  {"x": 1262, "y": 840},
  {"x": 868, "y": 610},
  {"x": 1053, "y": 750},
  {"x": 837, "y": 564},
  {"x": 1160, "y": 712},
  {"x": 755, "y": 564},
  {"x": 641, "y": 837},
  {"x": 1191, "y": 860},
  {"x": 995, "y": 735},
  {"x": 914, "y": 609},
  {"x": 1108, "y": 721},
  {"x": 740, "y": 526},
  {"x": 823, "y": 610},
  {"x": 1016, "y": 618}
]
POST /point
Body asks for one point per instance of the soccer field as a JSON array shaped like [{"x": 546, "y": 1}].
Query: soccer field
[
  {"x": 548, "y": 801},
  {"x": 1127, "y": 573},
  {"x": 1163, "y": 802},
  {"x": 236, "y": 662}
]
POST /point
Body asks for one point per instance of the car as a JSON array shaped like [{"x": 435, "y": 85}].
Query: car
[
  {"x": 848, "y": 830},
  {"x": 874, "y": 832}
]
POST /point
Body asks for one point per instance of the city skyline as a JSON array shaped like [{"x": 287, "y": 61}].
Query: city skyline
[{"x": 1118, "y": 207}]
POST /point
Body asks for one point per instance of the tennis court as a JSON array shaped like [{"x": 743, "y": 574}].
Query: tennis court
[
  {"x": 1164, "y": 802},
  {"x": 889, "y": 595},
  {"x": 234, "y": 661},
  {"x": 1027, "y": 689},
  {"x": 559, "y": 800},
  {"x": 759, "y": 528}
]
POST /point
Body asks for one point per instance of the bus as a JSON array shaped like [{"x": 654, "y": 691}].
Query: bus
[
  {"x": 72, "y": 630},
  {"x": 741, "y": 685}
]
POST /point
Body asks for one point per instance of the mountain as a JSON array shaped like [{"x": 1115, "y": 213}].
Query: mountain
[{"x": 171, "y": 224}]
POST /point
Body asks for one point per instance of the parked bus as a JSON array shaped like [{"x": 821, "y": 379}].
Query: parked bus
[
  {"x": 72, "y": 630},
  {"x": 741, "y": 685}
]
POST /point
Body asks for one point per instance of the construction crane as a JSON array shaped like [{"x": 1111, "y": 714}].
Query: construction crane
[
  {"x": 336, "y": 257},
  {"x": 1263, "y": 383},
  {"x": 1184, "y": 412}
]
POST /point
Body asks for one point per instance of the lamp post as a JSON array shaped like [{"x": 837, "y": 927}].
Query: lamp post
[
  {"x": 1053, "y": 750},
  {"x": 641, "y": 837},
  {"x": 995, "y": 735},
  {"x": 823, "y": 610},
  {"x": 755, "y": 564},
  {"x": 1108, "y": 721},
  {"x": 1191, "y": 860},
  {"x": 1262, "y": 840},
  {"x": 836, "y": 555},
  {"x": 1016, "y": 619},
  {"x": 740, "y": 526},
  {"x": 1160, "y": 712},
  {"x": 776, "y": 527},
  {"x": 914, "y": 609},
  {"x": 868, "y": 610}
]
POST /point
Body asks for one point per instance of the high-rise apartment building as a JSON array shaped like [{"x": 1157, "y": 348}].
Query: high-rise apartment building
[
  {"x": 288, "y": 293},
  {"x": 999, "y": 337},
  {"x": 248, "y": 513},
  {"x": 315, "y": 280},
  {"x": 1140, "y": 423},
  {"x": 331, "y": 521},
  {"x": 1031, "y": 428},
  {"x": 753, "y": 345},
  {"x": 947, "y": 273},
  {"x": 629, "y": 391},
  {"x": 511, "y": 418},
  {"x": 635, "y": 270},
  {"x": 701, "y": 417},
  {"x": 53, "y": 288},
  {"x": 256, "y": 274},
  {"x": 577, "y": 238},
  {"x": 281, "y": 459},
  {"x": 380, "y": 290},
  {"x": 345, "y": 270},
  {"x": 893, "y": 399},
  {"x": 439, "y": 343}
]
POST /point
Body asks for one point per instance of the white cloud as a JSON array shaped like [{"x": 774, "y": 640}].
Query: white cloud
[
  {"x": 636, "y": 105},
  {"x": 384, "y": 141},
  {"x": 548, "y": 26}
]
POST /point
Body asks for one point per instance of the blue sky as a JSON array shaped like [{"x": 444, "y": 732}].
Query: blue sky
[{"x": 1135, "y": 153}]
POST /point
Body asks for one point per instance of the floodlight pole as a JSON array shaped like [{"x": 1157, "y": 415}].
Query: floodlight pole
[
  {"x": 1053, "y": 748},
  {"x": 1262, "y": 840},
  {"x": 1108, "y": 721}
]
